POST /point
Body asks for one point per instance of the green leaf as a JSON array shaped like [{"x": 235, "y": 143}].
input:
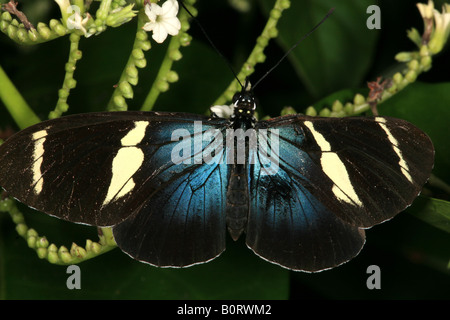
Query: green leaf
[
  {"x": 433, "y": 211},
  {"x": 339, "y": 53},
  {"x": 427, "y": 106}
]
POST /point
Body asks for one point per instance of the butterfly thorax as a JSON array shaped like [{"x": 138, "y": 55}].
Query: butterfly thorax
[{"x": 244, "y": 110}]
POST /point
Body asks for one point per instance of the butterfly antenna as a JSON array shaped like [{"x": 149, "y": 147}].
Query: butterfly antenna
[
  {"x": 294, "y": 46},
  {"x": 212, "y": 43}
]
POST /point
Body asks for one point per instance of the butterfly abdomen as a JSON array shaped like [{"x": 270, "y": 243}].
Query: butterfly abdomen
[{"x": 237, "y": 201}]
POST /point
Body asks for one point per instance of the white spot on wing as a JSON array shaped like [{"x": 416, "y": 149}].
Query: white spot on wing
[
  {"x": 402, "y": 163},
  {"x": 125, "y": 164},
  {"x": 38, "y": 153},
  {"x": 335, "y": 169}
]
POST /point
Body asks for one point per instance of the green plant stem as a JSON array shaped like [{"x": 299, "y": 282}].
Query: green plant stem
[
  {"x": 19, "y": 109},
  {"x": 54, "y": 254},
  {"x": 69, "y": 82},
  {"x": 129, "y": 75},
  {"x": 165, "y": 68},
  {"x": 257, "y": 55}
]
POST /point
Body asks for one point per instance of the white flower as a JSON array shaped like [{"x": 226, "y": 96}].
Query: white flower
[
  {"x": 63, "y": 4},
  {"x": 442, "y": 29},
  {"x": 163, "y": 20},
  {"x": 437, "y": 30},
  {"x": 222, "y": 111},
  {"x": 75, "y": 21},
  {"x": 426, "y": 10}
]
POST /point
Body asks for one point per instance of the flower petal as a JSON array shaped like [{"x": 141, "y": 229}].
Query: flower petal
[
  {"x": 152, "y": 10},
  {"x": 159, "y": 33},
  {"x": 170, "y": 8},
  {"x": 172, "y": 26}
]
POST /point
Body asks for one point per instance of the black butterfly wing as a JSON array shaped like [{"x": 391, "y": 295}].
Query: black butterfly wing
[
  {"x": 102, "y": 168},
  {"x": 183, "y": 221},
  {"x": 334, "y": 177}
]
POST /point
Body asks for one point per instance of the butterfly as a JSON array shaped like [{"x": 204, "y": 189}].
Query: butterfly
[{"x": 300, "y": 189}]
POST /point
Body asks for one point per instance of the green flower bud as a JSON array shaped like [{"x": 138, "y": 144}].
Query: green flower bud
[
  {"x": 71, "y": 83},
  {"x": 398, "y": 78},
  {"x": 349, "y": 108},
  {"x": 42, "y": 252},
  {"x": 52, "y": 257},
  {"x": 77, "y": 251},
  {"x": 17, "y": 217},
  {"x": 404, "y": 56},
  {"x": 141, "y": 35},
  {"x": 285, "y": 4},
  {"x": 32, "y": 35},
  {"x": 273, "y": 32},
  {"x": 325, "y": 112},
  {"x": 96, "y": 247},
  {"x": 275, "y": 14},
  {"x": 6, "y": 16},
  {"x": 175, "y": 55},
  {"x": 62, "y": 107},
  {"x": 162, "y": 85},
  {"x": 137, "y": 54},
  {"x": 63, "y": 94},
  {"x": 172, "y": 76},
  {"x": 411, "y": 76},
  {"x": 64, "y": 254},
  {"x": 22, "y": 229},
  {"x": 337, "y": 106},
  {"x": 119, "y": 101},
  {"x": 120, "y": 16},
  {"x": 44, "y": 31},
  {"x": 141, "y": 63},
  {"x": 4, "y": 25},
  {"x": 131, "y": 72},
  {"x": 413, "y": 65},
  {"x": 185, "y": 39},
  {"x": 22, "y": 35},
  {"x": 76, "y": 54},
  {"x": 31, "y": 241},
  {"x": 42, "y": 242},
  {"x": 60, "y": 30},
  {"x": 145, "y": 45},
  {"x": 287, "y": 111},
  {"x": 426, "y": 62},
  {"x": 11, "y": 31},
  {"x": 32, "y": 233},
  {"x": 415, "y": 37},
  {"x": 126, "y": 90}
]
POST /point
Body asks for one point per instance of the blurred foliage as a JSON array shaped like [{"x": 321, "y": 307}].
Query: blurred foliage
[{"x": 337, "y": 60}]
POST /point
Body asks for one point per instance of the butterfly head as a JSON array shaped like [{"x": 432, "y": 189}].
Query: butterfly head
[{"x": 244, "y": 104}]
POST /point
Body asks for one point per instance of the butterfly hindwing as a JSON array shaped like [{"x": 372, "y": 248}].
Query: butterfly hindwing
[
  {"x": 334, "y": 176},
  {"x": 182, "y": 222}
]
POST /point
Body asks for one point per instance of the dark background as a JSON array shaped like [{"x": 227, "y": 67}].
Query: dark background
[{"x": 338, "y": 60}]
